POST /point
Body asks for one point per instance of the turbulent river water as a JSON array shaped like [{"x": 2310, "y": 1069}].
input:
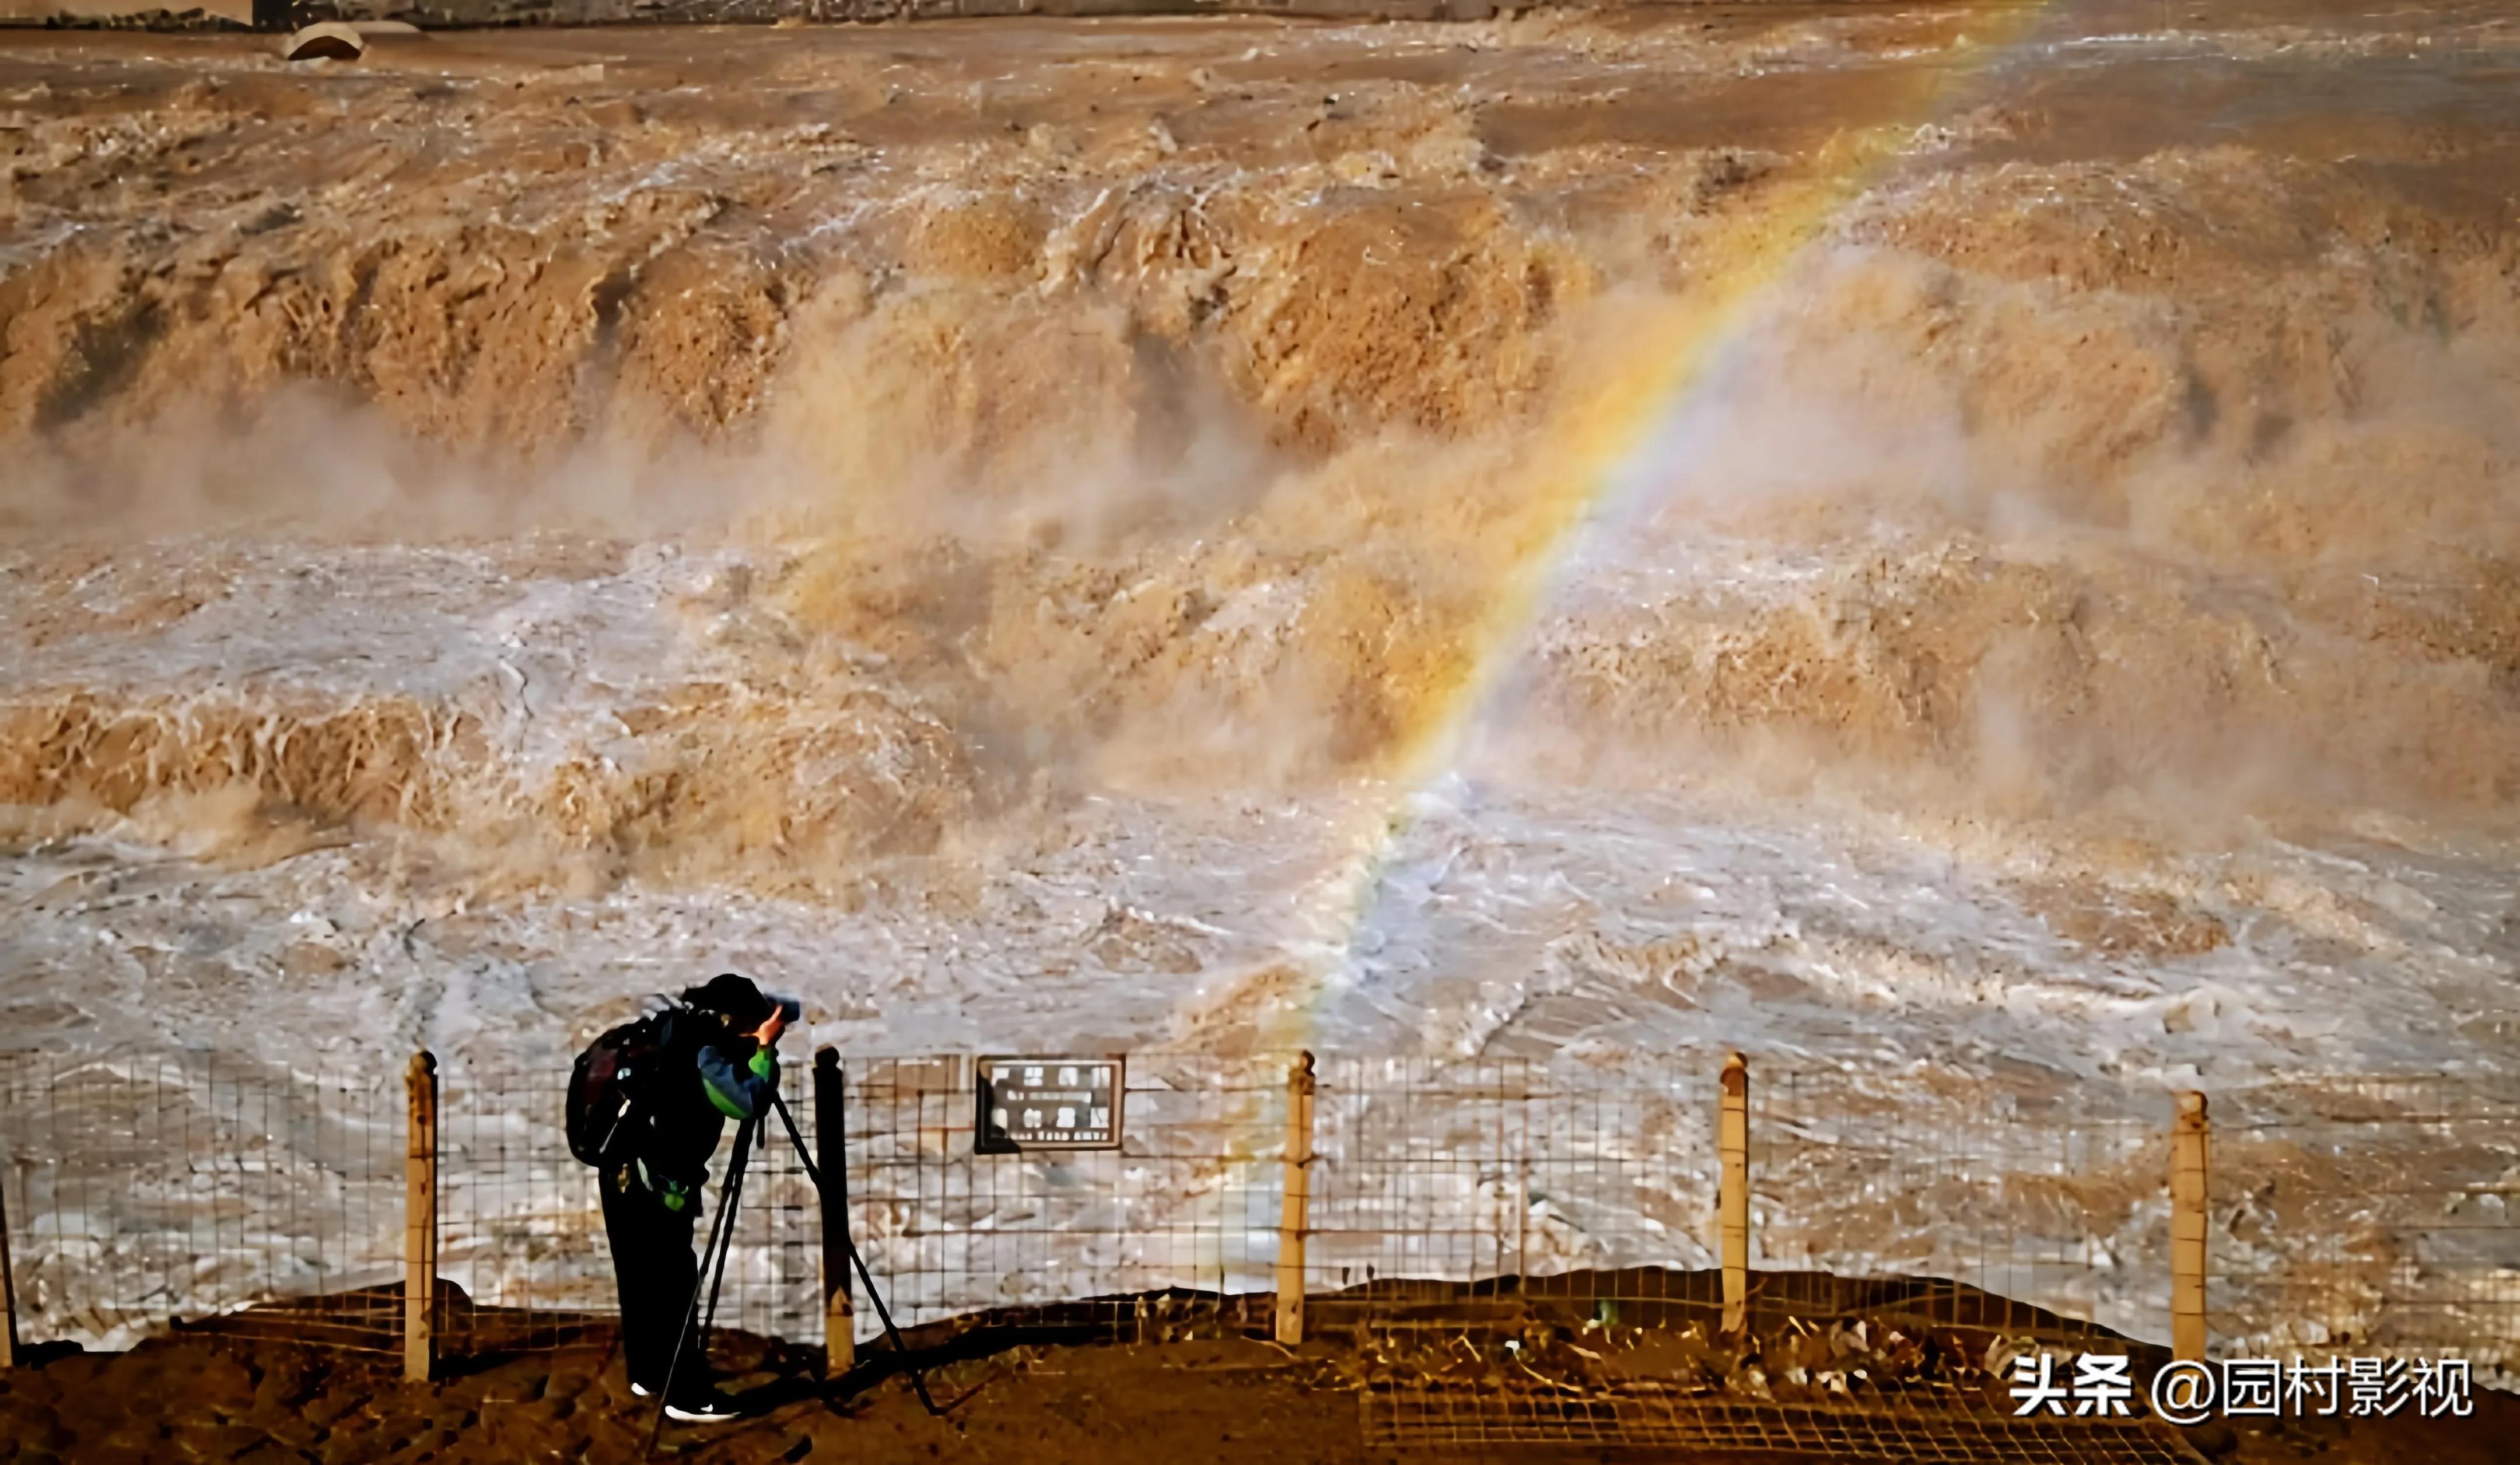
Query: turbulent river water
[{"x": 1963, "y": 536}]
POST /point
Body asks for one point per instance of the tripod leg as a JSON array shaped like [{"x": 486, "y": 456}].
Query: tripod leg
[
  {"x": 917, "y": 1378},
  {"x": 721, "y": 1236},
  {"x": 728, "y": 1195}
]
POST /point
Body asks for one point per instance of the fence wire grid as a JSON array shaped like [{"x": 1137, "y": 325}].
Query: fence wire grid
[
  {"x": 521, "y": 1222},
  {"x": 140, "y": 1191},
  {"x": 1480, "y": 1199},
  {"x": 2372, "y": 1215}
]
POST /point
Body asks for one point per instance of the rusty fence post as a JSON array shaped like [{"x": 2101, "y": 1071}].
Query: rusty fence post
[
  {"x": 8, "y": 1296},
  {"x": 420, "y": 1223},
  {"x": 1293, "y": 1215},
  {"x": 1733, "y": 1192},
  {"x": 831, "y": 1158},
  {"x": 2190, "y": 1162}
]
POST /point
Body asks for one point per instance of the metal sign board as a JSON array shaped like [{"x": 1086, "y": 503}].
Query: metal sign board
[{"x": 1049, "y": 1105}]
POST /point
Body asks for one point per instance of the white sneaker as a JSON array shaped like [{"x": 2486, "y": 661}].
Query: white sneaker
[
  {"x": 641, "y": 1390},
  {"x": 704, "y": 1408}
]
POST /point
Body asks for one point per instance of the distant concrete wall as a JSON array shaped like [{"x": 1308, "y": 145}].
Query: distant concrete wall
[
  {"x": 172, "y": 14},
  {"x": 719, "y": 12},
  {"x": 281, "y": 14}
]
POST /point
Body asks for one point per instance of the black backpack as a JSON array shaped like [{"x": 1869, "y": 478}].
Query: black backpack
[{"x": 609, "y": 1082}]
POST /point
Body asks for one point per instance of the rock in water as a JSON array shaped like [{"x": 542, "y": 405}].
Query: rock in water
[{"x": 326, "y": 40}]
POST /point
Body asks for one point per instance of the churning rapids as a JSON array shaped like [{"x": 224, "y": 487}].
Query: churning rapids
[{"x": 1947, "y": 535}]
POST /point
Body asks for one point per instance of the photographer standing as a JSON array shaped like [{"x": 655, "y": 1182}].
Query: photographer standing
[{"x": 698, "y": 1065}]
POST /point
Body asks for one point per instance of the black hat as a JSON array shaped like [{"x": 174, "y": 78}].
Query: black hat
[{"x": 742, "y": 1003}]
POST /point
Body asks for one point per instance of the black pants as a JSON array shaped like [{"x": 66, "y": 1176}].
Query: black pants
[{"x": 654, "y": 1265}]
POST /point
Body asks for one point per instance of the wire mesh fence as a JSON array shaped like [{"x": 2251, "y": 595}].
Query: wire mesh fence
[
  {"x": 2371, "y": 1217},
  {"x": 520, "y": 1225},
  {"x": 1434, "y": 1171},
  {"x": 2015, "y": 1208},
  {"x": 1144, "y": 1237},
  {"x": 1132, "y": 1241},
  {"x": 1529, "y": 1254},
  {"x": 522, "y": 1235},
  {"x": 145, "y": 1192},
  {"x": 1564, "y": 1208}
]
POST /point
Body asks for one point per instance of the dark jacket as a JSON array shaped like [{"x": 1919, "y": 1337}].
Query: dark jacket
[{"x": 710, "y": 1076}]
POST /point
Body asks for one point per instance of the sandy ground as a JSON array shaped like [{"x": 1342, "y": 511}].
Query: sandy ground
[
  {"x": 1967, "y": 536},
  {"x": 1219, "y": 1399}
]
